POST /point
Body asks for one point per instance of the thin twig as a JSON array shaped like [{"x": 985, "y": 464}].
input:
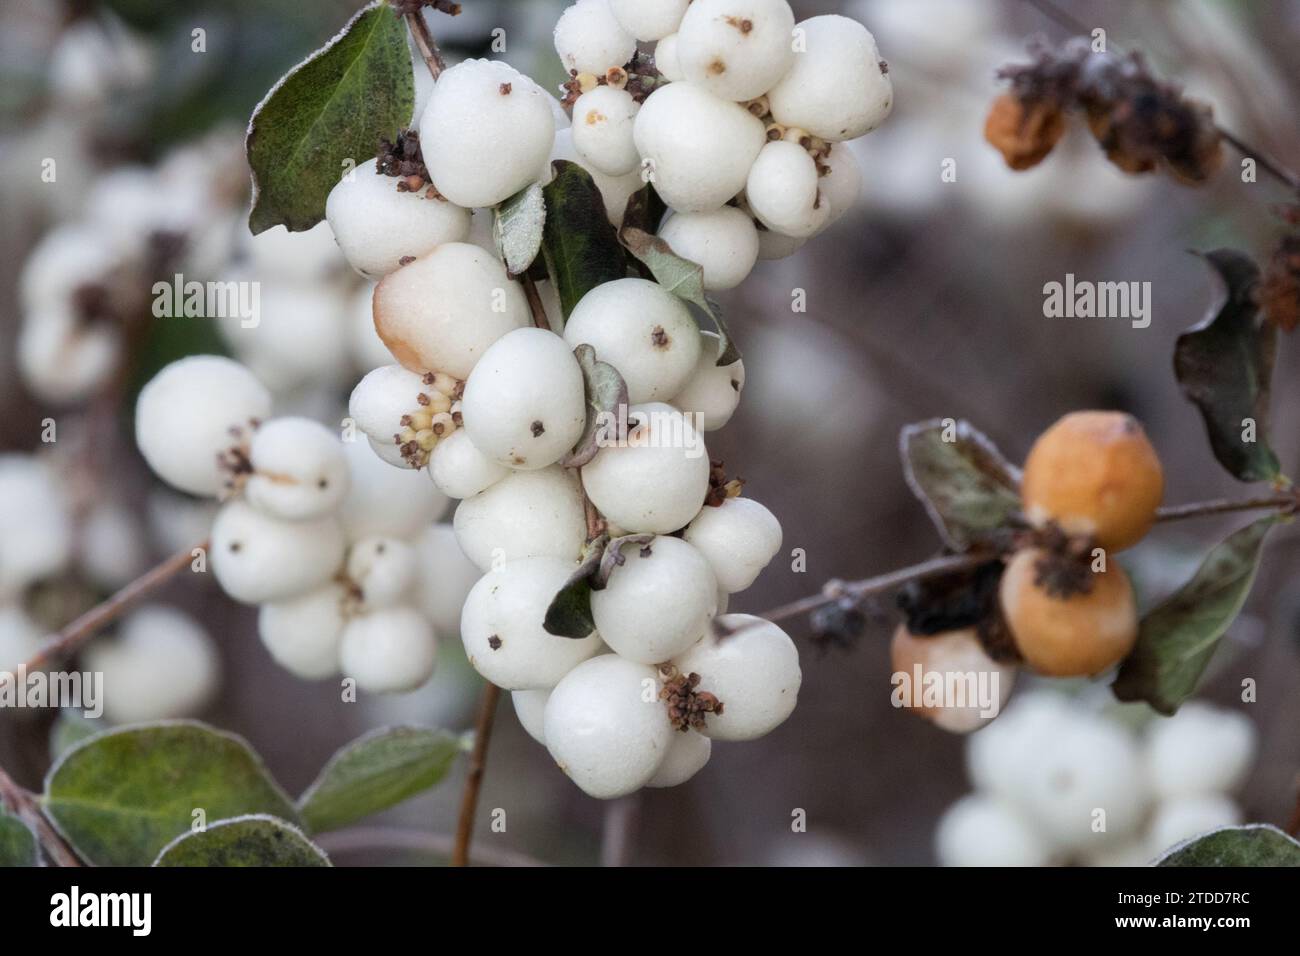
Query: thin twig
[
  {"x": 23, "y": 805},
  {"x": 1225, "y": 505},
  {"x": 535, "y": 306},
  {"x": 616, "y": 830},
  {"x": 474, "y": 779},
  {"x": 362, "y": 839},
  {"x": 70, "y": 638},
  {"x": 424, "y": 42},
  {"x": 1265, "y": 162}
]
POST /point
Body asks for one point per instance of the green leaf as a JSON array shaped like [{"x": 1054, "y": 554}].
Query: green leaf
[
  {"x": 518, "y": 227},
  {"x": 375, "y": 772},
  {"x": 121, "y": 796},
  {"x": 681, "y": 277},
  {"x": 333, "y": 106},
  {"x": 17, "y": 843},
  {"x": 606, "y": 392},
  {"x": 70, "y": 729},
  {"x": 569, "y": 614},
  {"x": 1224, "y": 366},
  {"x": 1256, "y": 844},
  {"x": 1177, "y": 638},
  {"x": 644, "y": 210},
  {"x": 968, "y": 488},
  {"x": 580, "y": 245},
  {"x": 255, "y": 840}
]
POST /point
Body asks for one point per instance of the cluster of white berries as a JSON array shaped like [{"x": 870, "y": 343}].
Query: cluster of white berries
[
  {"x": 1058, "y": 782},
  {"x": 339, "y": 551},
  {"x": 737, "y": 129}
]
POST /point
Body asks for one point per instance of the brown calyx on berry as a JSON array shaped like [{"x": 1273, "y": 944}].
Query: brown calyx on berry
[
  {"x": 402, "y": 160},
  {"x": 234, "y": 462},
  {"x": 720, "y": 487},
  {"x": 1278, "y": 291},
  {"x": 687, "y": 706}
]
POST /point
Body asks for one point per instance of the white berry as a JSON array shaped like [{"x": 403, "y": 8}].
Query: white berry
[
  {"x": 723, "y": 242},
  {"x": 1201, "y": 749},
  {"x": 501, "y": 626},
  {"x": 753, "y": 671},
  {"x": 736, "y": 49},
  {"x": 299, "y": 469},
  {"x": 841, "y": 183},
  {"x": 738, "y": 538},
  {"x": 589, "y": 39},
  {"x": 782, "y": 190},
  {"x": 630, "y": 611},
  {"x": 1182, "y": 818},
  {"x": 258, "y": 558},
  {"x": 699, "y": 147},
  {"x": 524, "y": 404},
  {"x": 605, "y": 726},
  {"x": 383, "y": 568},
  {"x": 442, "y": 311},
  {"x": 525, "y": 515},
  {"x": 643, "y": 330},
  {"x": 389, "y": 651},
  {"x": 838, "y": 88},
  {"x": 666, "y": 61},
  {"x": 648, "y": 20},
  {"x": 602, "y": 130},
  {"x": 386, "y": 501},
  {"x": 444, "y": 577},
  {"x": 36, "y": 530},
  {"x": 376, "y": 225},
  {"x": 656, "y": 480},
  {"x": 530, "y": 708},
  {"x": 712, "y": 393},
  {"x": 955, "y": 658},
  {"x": 302, "y": 633},
  {"x": 486, "y": 130},
  {"x": 184, "y": 415},
  {"x": 459, "y": 470},
  {"x": 687, "y": 755},
  {"x": 980, "y": 830}
]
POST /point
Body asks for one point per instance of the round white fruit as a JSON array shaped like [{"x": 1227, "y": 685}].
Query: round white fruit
[
  {"x": 838, "y": 88},
  {"x": 112, "y": 548},
  {"x": 1201, "y": 749},
  {"x": 389, "y": 651},
  {"x": 774, "y": 245},
  {"x": 383, "y": 568},
  {"x": 723, "y": 242},
  {"x": 602, "y": 130},
  {"x": 296, "y": 338},
  {"x": 376, "y": 224},
  {"x": 527, "y": 514},
  {"x": 20, "y": 638},
  {"x": 738, "y": 538},
  {"x": 648, "y": 21},
  {"x": 386, "y": 501},
  {"x": 951, "y": 659},
  {"x": 712, "y": 393},
  {"x": 485, "y": 131},
  {"x": 687, "y": 755},
  {"x": 841, "y": 183},
  {"x": 501, "y": 626},
  {"x": 303, "y": 633},
  {"x": 299, "y": 469},
  {"x": 36, "y": 530},
  {"x": 643, "y": 330},
  {"x": 656, "y": 480},
  {"x": 633, "y": 617},
  {"x": 459, "y": 470},
  {"x": 606, "y": 727},
  {"x": 999, "y": 758},
  {"x": 589, "y": 39},
  {"x": 524, "y": 405},
  {"x": 782, "y": 191},
  {"x": 442, "y": 311},
  {"x": 258, "y": 558},
  {"x": 753, "y": 671},
  {"x": 666, "y": 59},
  {"x": 444, "y": 577},
  {"x": 699, "y": 147},
  {"x": 530, "y": 708},
  {"x": 184, "y": 415},
  {"x": 162, "y": 665},
  {"x": 1193, "y": 815},
  {"x": 980, "y": 830},
  {"x": 736, "y": 49}
]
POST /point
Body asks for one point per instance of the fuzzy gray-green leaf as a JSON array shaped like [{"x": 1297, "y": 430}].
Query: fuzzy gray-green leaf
[
  {"x": 17, "y": 843},
  {"x": 518, "y": 227},
  {"x": 1256, "y": 844},
  {"x": 255, "y": 840}
]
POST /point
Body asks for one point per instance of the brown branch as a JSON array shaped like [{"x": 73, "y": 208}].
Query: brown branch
[
  {"x": 1265, "y": 162},
  {"x": 24, "y": 806},
  {"x": 1285, "y": 503},
  {"x": 370, "y": 838},
  {"x": 101, "y": 615},
  {"x": 425, "y": 43},
  {"x": 535, "y": 306},
  {"x": 474, "y": 779},
  {"x": 616, "y": 830}
]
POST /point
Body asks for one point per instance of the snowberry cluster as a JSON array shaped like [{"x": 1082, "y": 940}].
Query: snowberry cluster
[
  {"x": 735, "y": 120},
  {"x": 1059, "y": 782},
  {"x": 340, "y": 552}
]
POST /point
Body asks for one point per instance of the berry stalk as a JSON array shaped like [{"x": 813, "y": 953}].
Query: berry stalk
[{"x": 474, "y": 780}]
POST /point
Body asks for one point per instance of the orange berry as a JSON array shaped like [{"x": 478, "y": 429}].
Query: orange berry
[
  {"x": 1074, "y": 636},
  {"x": 957, "y": 660},
  {"x": 1094, "y": 473}
]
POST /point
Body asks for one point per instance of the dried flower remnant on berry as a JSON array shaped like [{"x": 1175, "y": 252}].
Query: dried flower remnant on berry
[
  {"x": 1278, "y": 291},
  {"x": 235, "y": 462},
  {"x": 402, "y": 160},
  {"x": 720, "y": 487},
  {"x": 687, "y": 706}
]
